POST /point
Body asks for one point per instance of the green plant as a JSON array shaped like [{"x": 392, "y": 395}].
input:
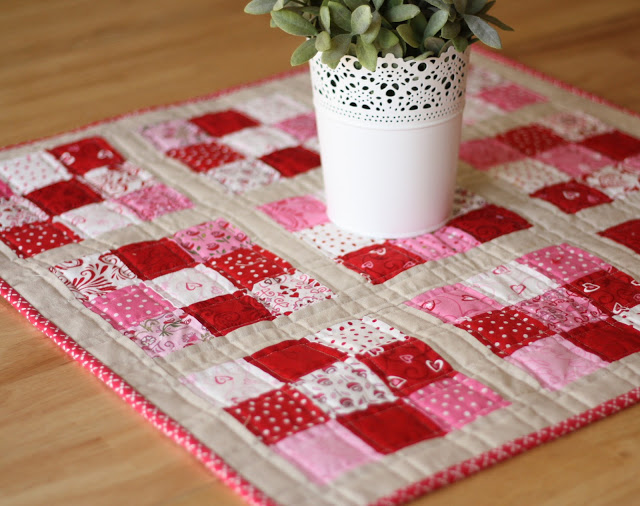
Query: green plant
[{"x": 367, "y": 29}]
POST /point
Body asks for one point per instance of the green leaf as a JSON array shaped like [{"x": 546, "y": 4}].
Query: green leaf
[
  {"x": 435, "y": 24},
  {"x": 497, "y": 22},
  {"x": 475, "y": 6},
  {"x": 408, "y": 35},
  {"x": 367, "y": 54},
  {"x": 396, "y": 51},
  {"x": 323, "y": 41},
  {"x": 354, "y": 4},
  {"x": 340, "y": 15},
  {"x": 451, "y": 30},
  {"x": 315, "y": 11},
  {"x": 461, "y": 43},
  {"x": 460, "y": 5},
  {"x": 374, "y": 28},
  {"x": 393, "y": 3},
  {"x": 433, "y": 44},
  {"x": 401, "y": 13},
  {"x": 377, "y": 4},
  {"x": 339, "y": 47},
  {"x": 486, "y": 7},
  {"x": 259, "y": 6},
  {"x": 419, "y": 23},
  {"x": 293, "y": 23},
  {"x": 483, "y": 31},
  {"x": 304, "y": 52},
  {"x": 440, "y": 4},
  {"x": 386, "y": 38},
  {"x": 325, "y": 18},
  {"x": 361, "y": 19},
  {"x": 446, "y": 46}
]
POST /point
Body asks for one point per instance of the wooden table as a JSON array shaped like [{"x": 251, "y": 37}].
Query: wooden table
[{"x": 65, "y": 438}]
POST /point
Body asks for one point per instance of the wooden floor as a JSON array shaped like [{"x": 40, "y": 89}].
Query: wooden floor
[{"x": 64, "y": 437}]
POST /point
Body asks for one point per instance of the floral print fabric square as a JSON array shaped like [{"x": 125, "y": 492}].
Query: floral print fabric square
[
  {"x": 154, "y": 201},
  {"x": 16, "y": 211},
  {"x": 211, "y": 239},
  {"x": 114, "y": 182},
  {"x": 174, "y": 135}
]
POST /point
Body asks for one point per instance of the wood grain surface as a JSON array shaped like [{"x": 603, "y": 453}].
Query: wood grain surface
[{"x": 65, "y": 438}]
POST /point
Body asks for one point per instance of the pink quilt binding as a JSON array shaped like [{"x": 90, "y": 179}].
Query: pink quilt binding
[{"x": 214, "y": 463}]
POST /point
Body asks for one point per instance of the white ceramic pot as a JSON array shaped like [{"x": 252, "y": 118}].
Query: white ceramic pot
[{"x": 389, "y": 141}]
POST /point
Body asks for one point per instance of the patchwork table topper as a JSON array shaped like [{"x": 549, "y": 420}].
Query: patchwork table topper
[{"x": 184, "y": 255}]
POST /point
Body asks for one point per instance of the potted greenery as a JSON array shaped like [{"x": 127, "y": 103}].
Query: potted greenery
[{"x": 388, "y": 79}]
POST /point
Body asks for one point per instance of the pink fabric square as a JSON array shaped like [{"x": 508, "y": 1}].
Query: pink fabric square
[
  {"x": 573, "y": 159},
  {"x": 114, "y": 182},
  {"x": 16, "y": 211},
  {"x": 129, "y": 306},
  {"x": 511, "y": 97},
  {"x": 154, "y": 201},
  {"x": 428, "y": 246},
  {"x": 631, "y": 163},
  {"x": 326, "y": 451},
  {"x": 615, "y": 182},
  {"x": 212, "y": 239},
  {"x": 358, "y": 337},
  {"x": 561, "y": 310},
  {"x": 232, "y": 382},
  {"x": 287, "y": 293},
  {"x": 163, "y": 334},
  {"x": 175, "y": 134},
  {"x": 32, "y": 171},
  {"x": 297, "y": 213},
  {"x": 5, "y": 191},
  {"x": 483, "y": 154},
  {"x": 575, "y": 126},
  {"x": 564, "y": 262},
  {"x": 301, "y": 127},
  {"x": 454, "y": 402},
  {"x": 456, "y": 239},
  {"x": 555, "y": 362},
  {"x": 454, "y": 303}
]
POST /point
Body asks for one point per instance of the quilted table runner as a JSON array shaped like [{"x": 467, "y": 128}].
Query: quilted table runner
[{"x": 184, "y": 256}]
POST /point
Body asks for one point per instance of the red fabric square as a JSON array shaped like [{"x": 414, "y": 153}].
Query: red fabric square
[
  {"x": 608, "y": 339},
  {"x": 292, "y": 161},
  {"x": 531, "y": 140},
  {"x": 86, "y": 154},
  {"x": 290, "y": 360},
  {"x": 388, "y": 428},
  {"x": 613, "y": 292},
  {"x": 489, "y": 222},
  {"x": 572, "y": 196},
  {"x": 150, "y": 259},
  {"x": 204, "y": 157},
  {"x": 407, "y": 366},
  {"x": 505, "y": 330},
  {"x": 227, "y": 313},
  {"x": 277, "y": 414},
  {"x": 380, "y": 262},
  {"x": 616, "y": 145},
  {"x": 224, "y": 122},
  {"x": 63, "y": 196},
  {"x": 33, "y": 238},
  {"x": 247, "y": 266},
  {"x": 627, "y": 233}
]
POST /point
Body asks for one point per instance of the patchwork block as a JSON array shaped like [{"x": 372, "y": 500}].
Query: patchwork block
[
  {"x": 273, "y": 108},
  {"x": 227, "y": 313},
  {"x": 612, "y": 291},
  {"x": 380, "y": 262},
  {"x": 333, "y": 240},
  {"x": 150, "y": 259},
  {"x": 16, "y": 211},
  {"x": 427, "y": 246},
  {"x": 290, "y": 360},
  {"x": 531, "y": 140},
  {"x": 32, "y": 171},
  {"x": 297, "y": 213},
  {"x": 292, "y": 161},
  {"x": 154, "y": 201},
  {"x": 289, "y": 292},
  {"x": 614, "y": 182},
  {"x": 356, "y": 337},
  {"x": 626, "y": 233},
  {"x": 174, "y": 134},
  {"x": 388, "y": 428},
  {"x": 277, "y": 414},
  {"x": 572, "y": 197},
  {"x": 575, "y": 126},
  {"x": 223, "y": 123},
  {"x": 476, "y": 110},
  {"x": 465, "y": 201},
  {"x": 211, "y": 239},
  {"x": 510, "y": 97},
  {"x": 163, "y": 334},
  {"x": 609, "y": 340},
  {"x": 457, "y": 401},
  {"x": 63, "y": 196},
  {"x": 244, "y": 175},
  {"x": 574, "y": 159},
  {"x": 206, "y": 156},
  {"x": 456, "y": 239},
  {"x": 94, "y": 220},
  {"x": 85, "y": 154},
  {"x": 33, "y": 238},
  {"x": 483, "y": 154},
  {"x": 489, "y": 223},
  {"x": 556, "y": 362},
  {"x": 301, "y": 127},
  {"x": 259, "y": 141},
  {"x": 615, "y": 144},
  {"x": 114, "y": 182},
  {"x": 192, "y": 284},
  {"x": 529, "y": 175}
]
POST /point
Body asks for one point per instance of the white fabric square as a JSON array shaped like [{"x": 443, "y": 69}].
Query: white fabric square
[
  {"x": 16, "y": 211},
  {"x": 630, "y": 317},
  {"x": 476, "y": 109},
  {"x": 232, "y": 382},
  {"x": 615, "y": 182},
  {"x": 358, "y": 336},
  {"x": 465, "y": 201},
  {"x": 114, "y": 182},
  {"x": 272, "y": 108},
  {"x": 333, "y": 240},
  {"x": 96, "y": 219},
  {"x": 191, "y": 285},
  {"x": 244, "y": 175},
  {"x": 287, "y": 293},
  {"x": 32, "y": 171},
  {"x": 259, "y": 141},
  {"x": 511, "y": 283},
  {"x": 529, "y": 175}
]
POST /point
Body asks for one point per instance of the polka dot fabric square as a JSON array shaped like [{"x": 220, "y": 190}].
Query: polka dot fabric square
[
  {"x": 531, "y": 140},
  {"x": 29, "y": 172},
  {"x": 355, "y": 337},
  {"x": 332, "y": 240},
  {"x": 277, "y": 414},
  {"x": 127, "y": 307},
  {"x": 85, "y": 154},
  {"x": 206, "y": 156},
  {"x": 150, "y": 259},
  {"x": 33, "y": 238}
]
